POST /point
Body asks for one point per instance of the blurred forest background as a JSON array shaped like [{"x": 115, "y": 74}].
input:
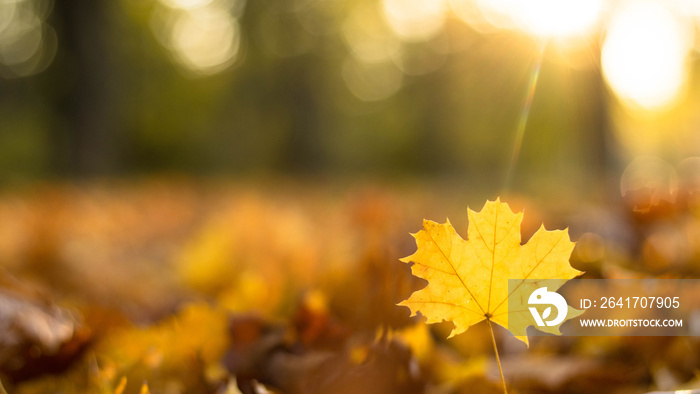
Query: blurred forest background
[
  {"x": 387, "y": 88},
  {"x": 322, "y": 87},
  {"x": 168, "y": 167}
]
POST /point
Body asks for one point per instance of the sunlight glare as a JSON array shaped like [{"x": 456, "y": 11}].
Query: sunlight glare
[
  {"x": 558, "y": 18},
  {"x": 644, "y": 54},
  {"x": 545, "y": 18}
]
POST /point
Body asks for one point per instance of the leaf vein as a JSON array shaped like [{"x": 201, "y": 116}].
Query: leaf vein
[{"x": 455, "y": 271}]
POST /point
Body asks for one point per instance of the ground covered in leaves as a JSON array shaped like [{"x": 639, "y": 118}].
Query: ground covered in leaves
[{"x": 182, "y": 287}]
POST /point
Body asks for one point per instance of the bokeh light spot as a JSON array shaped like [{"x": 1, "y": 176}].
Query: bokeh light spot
[
  {"x": 419, "y": 60},
  {"x": 415, "y": 20},
  {"x": 7, "y": 12},
  {"x": 644, "y": 54},
  {"x": 689, "y": 174},
  {"x": 204, "y": 37},
  {"x": 206, "y": 41},
  {"x": 186, "y": 4},
  {"x": 471, "y": 14},
  {"x": 368, "y": 37},
  {"x": 27, "y": 43},
  {"x": 371, "y": 81},
  {"x": 648, "y": 182},
  {"x": 590, "y": 247}
]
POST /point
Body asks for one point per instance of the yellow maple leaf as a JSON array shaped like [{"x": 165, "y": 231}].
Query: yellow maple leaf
[{"x": 468, "y": 279}]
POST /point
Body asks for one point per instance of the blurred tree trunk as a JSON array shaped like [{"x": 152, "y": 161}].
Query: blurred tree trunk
[
  {"x": 87, "y": 142},
  {"x": 303, "y": 152},
  {"x": 604, "y": 159}
]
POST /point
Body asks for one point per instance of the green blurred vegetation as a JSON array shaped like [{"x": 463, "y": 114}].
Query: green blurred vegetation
[{"x": 115, "y": 102}]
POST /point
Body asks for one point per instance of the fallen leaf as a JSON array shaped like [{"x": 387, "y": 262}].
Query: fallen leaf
[
  {"x": 568, "y": 373},
  {"x": 37, "y": 336},
  {"x": 468, "y": 279},
  {"x": 121, "y": 386},
  {"x": 180, "y": 348}
]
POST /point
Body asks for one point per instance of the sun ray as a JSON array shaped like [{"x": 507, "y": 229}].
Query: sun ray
[{"x": 524, "y": 115}]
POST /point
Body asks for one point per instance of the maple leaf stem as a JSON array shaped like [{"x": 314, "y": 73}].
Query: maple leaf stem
[{"x": 498, "y": 359}]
